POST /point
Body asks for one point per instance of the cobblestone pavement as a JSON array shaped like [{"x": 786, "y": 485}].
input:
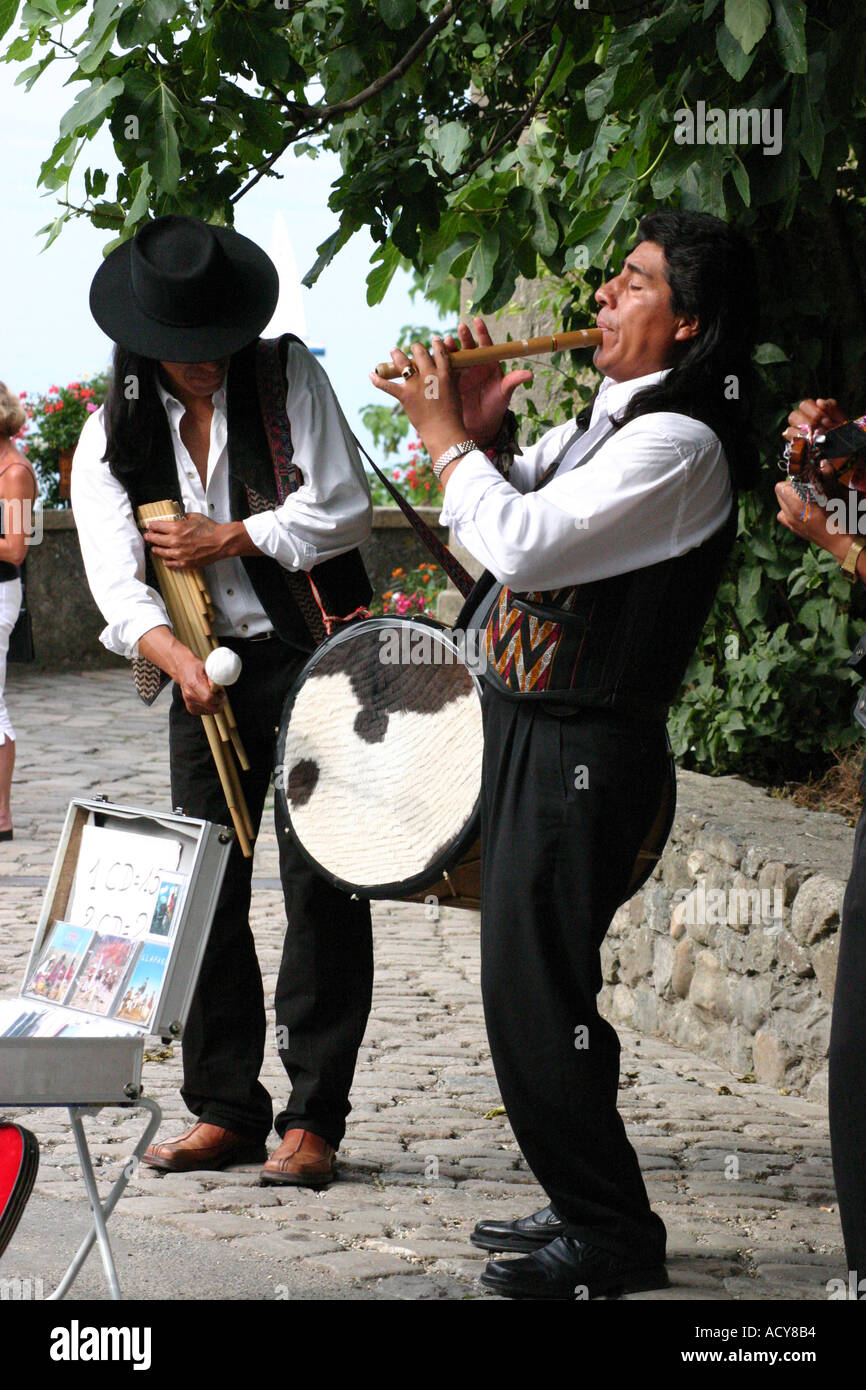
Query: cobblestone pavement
[{"x": 740, "y": 1173}]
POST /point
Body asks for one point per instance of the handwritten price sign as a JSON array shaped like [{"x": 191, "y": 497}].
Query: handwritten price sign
[{"x": 117, "y": 880}]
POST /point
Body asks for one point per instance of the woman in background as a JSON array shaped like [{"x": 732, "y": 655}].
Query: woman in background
[{"x": 18, "y": 491}]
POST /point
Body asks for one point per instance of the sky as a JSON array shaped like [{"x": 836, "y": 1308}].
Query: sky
[{"x": 48, "y": 337}]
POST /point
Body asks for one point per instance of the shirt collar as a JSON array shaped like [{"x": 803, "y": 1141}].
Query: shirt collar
[
  {"x": 614, "y": 396},
  {"x": 173, "y": 405}
]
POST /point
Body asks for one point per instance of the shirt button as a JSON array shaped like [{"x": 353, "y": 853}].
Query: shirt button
[
  {"x": 211, "y": 506},
  {"x": 244, "y": 627},
  {"x": 230, "y": 592}
]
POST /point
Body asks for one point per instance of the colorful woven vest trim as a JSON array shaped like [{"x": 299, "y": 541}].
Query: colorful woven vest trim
[{"x": 532, "y": 641}]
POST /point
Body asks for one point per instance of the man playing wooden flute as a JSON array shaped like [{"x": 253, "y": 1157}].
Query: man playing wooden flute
[
  {"x": 604, "y": 545},
  {"x": 192, "y": 415}
]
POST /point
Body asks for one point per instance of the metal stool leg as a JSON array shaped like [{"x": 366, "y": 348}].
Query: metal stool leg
[{"x": 102, "y": 1210}]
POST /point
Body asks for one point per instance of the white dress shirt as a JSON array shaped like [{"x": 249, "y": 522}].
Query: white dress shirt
[
  {"x": 655, "y": 489},
  {"x": 329, "y": 514}
]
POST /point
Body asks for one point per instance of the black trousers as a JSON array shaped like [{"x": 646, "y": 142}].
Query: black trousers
[
  {"x": 325, "y": 980},
  {"x": 567, "y": 803},
  {"x": 848, "y": 1062}
]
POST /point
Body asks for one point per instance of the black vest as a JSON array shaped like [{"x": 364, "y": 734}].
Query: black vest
[
  {"x": 622, "y": 643},
  {"x": 342, "y": 582}
]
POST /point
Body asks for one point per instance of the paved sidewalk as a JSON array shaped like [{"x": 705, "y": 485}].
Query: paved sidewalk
[{"x": 740, "y": 1173}]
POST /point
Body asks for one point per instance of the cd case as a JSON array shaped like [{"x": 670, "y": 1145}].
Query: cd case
[{"x": 115, "y": 955}]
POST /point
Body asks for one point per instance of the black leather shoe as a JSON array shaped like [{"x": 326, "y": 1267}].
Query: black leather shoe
[
  {"x": 528, "y": 1234},
  {"x": 568, "y": 1269}
]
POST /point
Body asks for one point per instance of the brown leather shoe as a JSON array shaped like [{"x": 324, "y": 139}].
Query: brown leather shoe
[
  {"x": 302, "y": 1160},
  {"x": 203, "y": 1147}
]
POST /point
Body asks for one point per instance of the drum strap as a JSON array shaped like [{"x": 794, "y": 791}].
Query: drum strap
[{"x": 460, "y": 577}]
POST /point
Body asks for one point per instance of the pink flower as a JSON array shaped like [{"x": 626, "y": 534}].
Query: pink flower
[
  {"x": 403, "y": 603},
  {"x": 90, "y": 407}
]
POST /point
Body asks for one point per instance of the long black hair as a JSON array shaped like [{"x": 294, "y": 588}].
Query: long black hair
[
  {"x": 712, "y": 274},
  {"x": 132, "y": 415}
]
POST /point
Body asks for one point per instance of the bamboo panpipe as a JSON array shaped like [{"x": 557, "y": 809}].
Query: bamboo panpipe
[
  {"x": 191, "y": 611},
  {"x": 519, "y": 347}
]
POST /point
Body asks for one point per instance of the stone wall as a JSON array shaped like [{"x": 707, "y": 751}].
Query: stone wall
[
  {"x": 731, "y": 947},
  {"x": 67, "y": 623}
]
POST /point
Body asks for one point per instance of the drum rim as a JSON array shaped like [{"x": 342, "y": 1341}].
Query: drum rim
[{"x": 451, "y": 856}]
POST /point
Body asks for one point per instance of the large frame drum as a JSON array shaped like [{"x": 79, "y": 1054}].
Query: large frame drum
[{"x": 379, "y": 763}]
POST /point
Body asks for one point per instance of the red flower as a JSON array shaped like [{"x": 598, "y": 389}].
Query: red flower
[
  {"x": 87, "y": 394},
  {"x": 54, "y": 390}
]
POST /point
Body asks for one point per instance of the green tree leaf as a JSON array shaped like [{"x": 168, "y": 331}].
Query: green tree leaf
[
  {"x": 165, "y": 160},
  {"x": 91, "y": 105},
  {"x": 790, "y": 18},
  {"x": 734, "y": 60},
  {"x": 397, "y": 13},
  {"x": 748, "y": 21},
  {"x": 545, "y": 233},
  {"x": 483, "y": 264},
  {"x": 8, "y": 11},
  {"x": 382, "y": 274},
  {"x": 327, "y": 251},
  {"x": 451, "y": 141}
]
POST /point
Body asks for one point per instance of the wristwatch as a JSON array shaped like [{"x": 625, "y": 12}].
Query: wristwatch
[
  {"x": 455, "y": 452},
  {"x": 849, "y": 564}
]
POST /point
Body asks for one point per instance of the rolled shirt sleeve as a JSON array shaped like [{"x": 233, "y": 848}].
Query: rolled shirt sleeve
[
  {"x": 332, "y": 511},
  {"x": 658, "y": 488},
  {"x": 112, "y": 547}
]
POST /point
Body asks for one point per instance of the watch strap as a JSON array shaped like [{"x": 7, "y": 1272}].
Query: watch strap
[
  {"x": 849, "y": 564},
  {"x": 456, "y": 451}
]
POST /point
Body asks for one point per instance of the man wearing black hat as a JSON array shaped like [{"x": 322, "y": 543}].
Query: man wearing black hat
[{"x": 197, "y": 412}]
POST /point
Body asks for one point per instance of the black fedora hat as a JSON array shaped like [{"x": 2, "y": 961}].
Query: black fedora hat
[{"x": 184, "y": 291}]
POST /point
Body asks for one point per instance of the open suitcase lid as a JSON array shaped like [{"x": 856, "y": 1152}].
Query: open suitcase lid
[{"x": 120, "y": 938}]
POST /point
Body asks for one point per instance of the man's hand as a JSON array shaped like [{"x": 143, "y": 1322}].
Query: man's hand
[
  {"x": 484, "y": 391},
  {"x": 447, "y": 405},
  {"x": 815, "y": 417},
  {"x": 196, "y": 541},
  {"x": 200, "y": 695}
]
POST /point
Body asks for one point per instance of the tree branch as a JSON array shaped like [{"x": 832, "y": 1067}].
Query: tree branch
[
  {"x": 320, "y": 114},
  {"x": 525, "y": 118},
  {"x": 523, "y": 121}
]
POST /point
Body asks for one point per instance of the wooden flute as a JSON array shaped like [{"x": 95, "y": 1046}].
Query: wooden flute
[{"x": 517, "y": 347}]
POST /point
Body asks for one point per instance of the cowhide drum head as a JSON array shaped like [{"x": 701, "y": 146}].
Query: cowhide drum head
[{"x": 379, "y": 758}]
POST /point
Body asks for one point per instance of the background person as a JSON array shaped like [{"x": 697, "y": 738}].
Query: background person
[{"x": 18, "y": 491}]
